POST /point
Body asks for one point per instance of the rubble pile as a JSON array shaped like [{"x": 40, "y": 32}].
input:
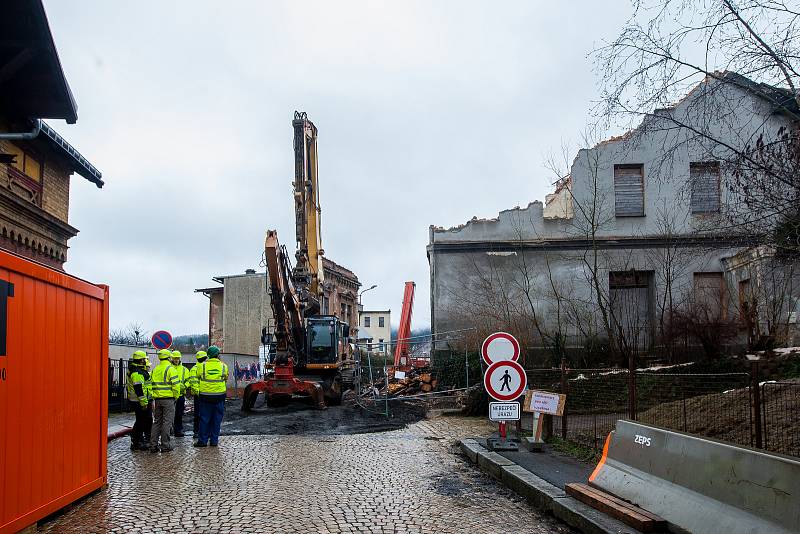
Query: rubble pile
[{"x": 416, "y": 381}]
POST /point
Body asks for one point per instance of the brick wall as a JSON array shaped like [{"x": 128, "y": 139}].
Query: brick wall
[
  {"x": 55, "y": 191},
  {"x": 24, "y": 229}
]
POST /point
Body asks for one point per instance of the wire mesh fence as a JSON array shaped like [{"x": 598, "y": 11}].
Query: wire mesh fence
[
  {"x": 721, "y": 405},
  {"x": 780, "y": 413}
]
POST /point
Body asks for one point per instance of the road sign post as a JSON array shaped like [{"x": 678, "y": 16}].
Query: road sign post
[{"x": 505, "y": 381}]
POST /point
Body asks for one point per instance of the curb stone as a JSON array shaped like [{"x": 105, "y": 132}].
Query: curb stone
[{"x": 541, "y": 494}]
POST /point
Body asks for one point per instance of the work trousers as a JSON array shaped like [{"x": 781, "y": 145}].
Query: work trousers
[
  {"x": 196, "y": 417},
  {"x": 164, "y": 415},
  {"x": 140, "y": 435},
  {"x": 178, "y": 423},
  {"x": 211, "y": 414}
]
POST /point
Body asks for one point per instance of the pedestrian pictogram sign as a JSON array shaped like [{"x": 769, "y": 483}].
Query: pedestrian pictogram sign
[
  {"x": 505, "y": 380},
  {"x": 161, "y": 340},
  {"x": 498, "y": 347}
]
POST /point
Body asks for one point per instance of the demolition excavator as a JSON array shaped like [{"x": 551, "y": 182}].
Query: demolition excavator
[{"x": 313, "y": 355}]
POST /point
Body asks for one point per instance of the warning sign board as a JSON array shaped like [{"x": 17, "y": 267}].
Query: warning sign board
[
  {"x": 545, "y": 402},
  {"x": 505, "y": 380},
  {"x": 500, "y": 346}
]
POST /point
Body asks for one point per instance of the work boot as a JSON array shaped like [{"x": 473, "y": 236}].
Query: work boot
[
  {"x": 166, "y": 449},
  {"x": 179, "y": 434},
  {"x": 214, "y": 444},
  {"x": 134, "y": 446},
  {"x": 153, "y": 449},
  {"x": 199, "y": 444}
]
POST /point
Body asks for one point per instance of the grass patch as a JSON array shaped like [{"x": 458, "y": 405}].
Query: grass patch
[{"x": 575, "y": 450}]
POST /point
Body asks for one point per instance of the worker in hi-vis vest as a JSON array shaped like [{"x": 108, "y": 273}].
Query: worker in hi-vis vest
[
  {"x": 165, "y": 389},
  {"x": 212, "y": 376},
  {"x": 180, "y": 402},
  {"x": 139, "y": 400},
  {"x": 194, "y": 390}
]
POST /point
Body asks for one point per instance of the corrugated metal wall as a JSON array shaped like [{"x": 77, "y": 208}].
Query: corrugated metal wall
[{"x": 53, "y": 389}]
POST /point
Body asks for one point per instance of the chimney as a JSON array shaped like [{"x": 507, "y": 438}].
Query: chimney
[{"x": 250, "y": 271}]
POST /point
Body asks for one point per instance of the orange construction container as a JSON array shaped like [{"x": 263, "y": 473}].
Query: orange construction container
[{"x": 53, "y": 390}]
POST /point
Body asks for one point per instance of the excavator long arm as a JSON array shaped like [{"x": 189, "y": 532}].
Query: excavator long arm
[{"x": 308, "y": 273}]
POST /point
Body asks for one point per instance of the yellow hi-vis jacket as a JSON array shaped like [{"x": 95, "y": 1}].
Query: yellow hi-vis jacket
[
  {"x": 166, "y": 384},
  {"x": 193, "y": 382},
  {"x": 212, "y": 377},
  {"x": 137, "y": 388},
  {"x": 183, "y": 378}
]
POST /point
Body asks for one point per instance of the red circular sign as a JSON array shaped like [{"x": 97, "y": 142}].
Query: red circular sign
[
  {"x": 161, "y": 339},
  {"x": 505, "y": 380},
  {"x": 500, "y": 346}
]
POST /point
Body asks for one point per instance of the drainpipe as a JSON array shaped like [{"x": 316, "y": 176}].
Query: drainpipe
[{"x": 25, "y": 135}]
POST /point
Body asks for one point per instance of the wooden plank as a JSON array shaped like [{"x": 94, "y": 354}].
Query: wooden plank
[
  {"x": 608, "y": 504},
  {"x": 614, "y": 498}
]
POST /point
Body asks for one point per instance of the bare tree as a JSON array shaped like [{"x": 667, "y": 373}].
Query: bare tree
[
  {"x": 728, "y": 53},
  {"x": 132, "y": 334}
]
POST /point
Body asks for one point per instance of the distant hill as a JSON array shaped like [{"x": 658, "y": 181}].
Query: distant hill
[{"x": 190, "y": 342}]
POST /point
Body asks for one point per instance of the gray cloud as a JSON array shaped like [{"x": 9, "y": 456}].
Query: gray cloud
[{"x": 429, "y": 113}]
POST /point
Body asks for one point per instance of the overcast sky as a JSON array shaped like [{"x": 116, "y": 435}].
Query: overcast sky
[{"x": 428, "y": 113}]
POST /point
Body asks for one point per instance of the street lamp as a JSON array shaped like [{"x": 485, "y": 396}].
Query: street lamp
[{"x": 362, "y": 292}]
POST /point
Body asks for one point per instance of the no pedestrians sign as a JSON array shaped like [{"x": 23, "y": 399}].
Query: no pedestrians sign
[{"x": 505, "y": 380}]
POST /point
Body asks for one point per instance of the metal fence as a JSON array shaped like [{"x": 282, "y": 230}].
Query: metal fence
[
  {"x": 117, "y": 382},
  {"x": 731, "y": 407}
]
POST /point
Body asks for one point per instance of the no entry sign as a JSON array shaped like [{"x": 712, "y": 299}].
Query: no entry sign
[
  {"x": 161, "y": 340},
  {"x": 498, "y": 347},
  {"x": 505, "y": 380}
]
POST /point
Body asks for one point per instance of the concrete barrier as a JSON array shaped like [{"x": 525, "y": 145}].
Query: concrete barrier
[{"x": 699, "y": 484}]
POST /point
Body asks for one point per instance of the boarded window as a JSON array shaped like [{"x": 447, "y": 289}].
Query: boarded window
[
  {"x": 709, "y": 296},
  {"x": 630, "y": 293},
  {"x": 629, "y": 190},
  {"x": 704, "y": 178},
  {"x": 366, "y": 321}
]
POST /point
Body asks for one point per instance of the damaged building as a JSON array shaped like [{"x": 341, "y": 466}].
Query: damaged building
[
  {"x": 638, "y": 241},
  {"x": 239, "y": 308}
]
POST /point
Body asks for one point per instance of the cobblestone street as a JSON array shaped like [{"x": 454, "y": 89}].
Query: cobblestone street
[{"x": 409, "y": 480}]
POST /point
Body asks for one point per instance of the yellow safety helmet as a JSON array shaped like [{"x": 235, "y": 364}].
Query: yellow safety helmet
[
  {"x": 139, "y": 356},
  {"x": 201, "y": 355},
  {"x": 164, "y": 354},
  {"x": 176, "y": 354}
]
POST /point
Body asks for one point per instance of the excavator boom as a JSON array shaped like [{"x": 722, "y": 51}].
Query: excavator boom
[
  {"x": 401, "y": 360},
  {"x": 308, "y": 272}
]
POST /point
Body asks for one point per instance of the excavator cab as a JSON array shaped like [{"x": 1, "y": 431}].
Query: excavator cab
[{"x": 326, "y": 338}]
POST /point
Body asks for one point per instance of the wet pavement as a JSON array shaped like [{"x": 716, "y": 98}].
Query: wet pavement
[{"x": 409, "y": 480}]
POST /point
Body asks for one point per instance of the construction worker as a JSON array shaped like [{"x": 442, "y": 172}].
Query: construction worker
[
  {"x": 194, "y": 391},
  {"x": 183, "y": 378},
  {"x": 165, "y": 389},
  {"x": 212, "y": 376},
  {"x": 139, "y": 400}
]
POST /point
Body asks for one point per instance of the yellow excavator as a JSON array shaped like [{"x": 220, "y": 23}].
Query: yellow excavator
[{"x": 313, "y": 355}]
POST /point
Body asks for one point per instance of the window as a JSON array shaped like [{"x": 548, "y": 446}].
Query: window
[
  {"x": 704, "y": 181},
  {"x": 366, "y": 321},
  {"x": 25, "y": 175},
  {"x": 629, "y": 190},
  {"x": 709, "y": 296},
  {"x": 27, "y": 164},
  {"x": 380, "y": 322},
  {"x": 631, "y": 300},
  {"x": 380, "y": 344}
]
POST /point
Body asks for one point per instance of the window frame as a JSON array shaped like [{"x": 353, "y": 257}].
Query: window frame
[
  {"x": 705, "y": 165},
  {"x": 623, "y": 167}
]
